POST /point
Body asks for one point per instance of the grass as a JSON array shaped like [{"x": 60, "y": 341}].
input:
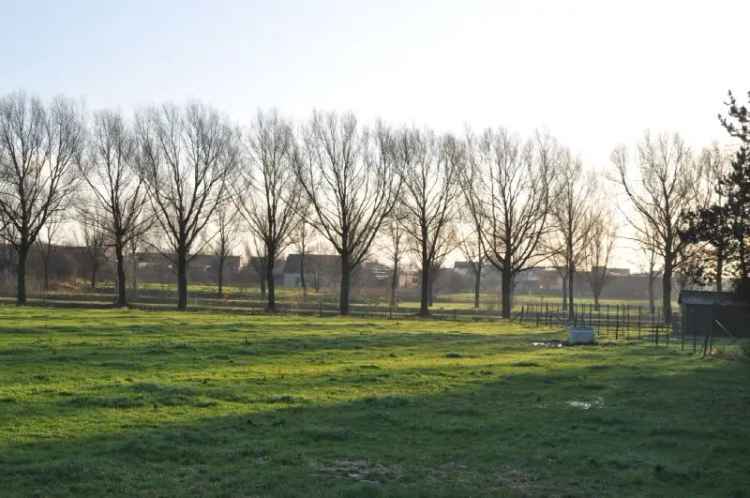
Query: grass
[{"x": 133, "y": 403}]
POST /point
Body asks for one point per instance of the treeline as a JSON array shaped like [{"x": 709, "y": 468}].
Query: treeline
[{"x": 180, "y": 178}]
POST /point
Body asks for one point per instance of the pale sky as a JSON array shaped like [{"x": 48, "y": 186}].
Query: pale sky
[{"x": 594, "y": 73}]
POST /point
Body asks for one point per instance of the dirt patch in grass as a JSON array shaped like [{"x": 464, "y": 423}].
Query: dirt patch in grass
[
  {"x": 363, "y": 471},
  {"x": 317, "y": 434},
  {"x": 283, "y": 398},
  {"x": 387, "y": 401},
  {"x": 515, "y": 479},
  {"x": 120, "y": 402},
  {"x": 504, "y": 477},
  {"x": 525, "y": 364}
]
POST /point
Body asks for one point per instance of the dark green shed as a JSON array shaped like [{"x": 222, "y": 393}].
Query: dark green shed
[{"x": 716, "y": 313}]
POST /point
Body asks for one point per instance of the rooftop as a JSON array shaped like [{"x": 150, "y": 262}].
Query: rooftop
[{"x": 710, "y": 297}]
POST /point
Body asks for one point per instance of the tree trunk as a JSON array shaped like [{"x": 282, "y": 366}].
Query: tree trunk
[
  {"x": 122, "y": 299},
  {"x": 134, "y": 284},
  {"x": 564, "y": 287},
  {"x": 271, "y": 306},
  {"x": 23, "y": 256},
  {"x": 651, "y": 298},
  {"x": 94, "y": 269},
  {"x": 477, "y": 283},
  {"x": 596, "y": 299},
  {"x": 666, "y": 296},
  {"x": 507, "y": 283},
  {"x": 433, "y": 273},
  {"x": 394, "y": 285},
  {"x": 262, "y": 278},
  {"x": 424, "y": 295},
  {"x": 571, "y": 304},
  {"x": 220, "y": 277},
  {"x": 346, "y": 283},
  {"x": 45, "y": 271},
  {"x": 302, "y": 276},
  {"x": 182, "y": 284},
  {"x": 719, "y": 270}
]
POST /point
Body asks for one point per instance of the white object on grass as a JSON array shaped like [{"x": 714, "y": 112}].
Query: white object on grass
[{"x": 581, "y": 335}]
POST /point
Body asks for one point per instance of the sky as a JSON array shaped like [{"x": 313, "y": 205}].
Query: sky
[{"x": 593, "y": 73}]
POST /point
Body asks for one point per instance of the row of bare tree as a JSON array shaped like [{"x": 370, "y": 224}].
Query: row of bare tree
[{"x": 191, "y": 175}]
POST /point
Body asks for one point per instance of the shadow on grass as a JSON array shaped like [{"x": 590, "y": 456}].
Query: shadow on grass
[{"x": 513, "y": 436}]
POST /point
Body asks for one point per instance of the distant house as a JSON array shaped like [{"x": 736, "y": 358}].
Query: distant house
[
  {"x": 538, "y": 278},
  {"x": 408, "y": 279},
  {"x": 152, "y": 266},
  {"x": 532, "y": 274},
  {"x": 373, "y": 274},
  {"x": 714, "y": 313},
  {"x": 209, "y": 263},
  {"x": 255, "y": 270},
  {"x": 321, "y": 270},
  {"x": 613, "y": 272},
  {"x": 158, "y": 267},
  {"x": 463, "y": 267}
]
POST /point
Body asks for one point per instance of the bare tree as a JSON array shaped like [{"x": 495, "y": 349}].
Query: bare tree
[
  {"x": 599, "y": 251},
  {"x": 224, "y": 241},
  {"x": 350, "y": 179},
  {"x": 39, "y": 148},
  {"x": 268, "y": 198},
  {"x": 187, "y": 157},
  {"x": 507, "y": 190},
  {"x": 302, "y": 236},
  {"x": 665, "y": 188},
  {"x": 429, "y": 168},
  {"x": 133, "y": 246},
  {"x": 651, "y": 258},
  {"x": 557, "y": 257},
  {"x": 119, "y": 211},
  {"x": 449, "y": 243},
  {"x": 256, "y": 261},
  {"x": 473, "y": 253},
  {"x": 396, "y": 235},
  {"x": 45, "y": 243},
  {"x": 571, "y": 212},
  {"x": 95, "y": 245}
]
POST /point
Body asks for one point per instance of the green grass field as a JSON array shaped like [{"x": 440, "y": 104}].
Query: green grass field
[{"x": 134, "y": 403}]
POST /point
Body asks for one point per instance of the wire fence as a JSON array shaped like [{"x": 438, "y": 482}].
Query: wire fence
[
  {"x": 635, "y": 324},
  {"x": 628, "y": 321}
]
